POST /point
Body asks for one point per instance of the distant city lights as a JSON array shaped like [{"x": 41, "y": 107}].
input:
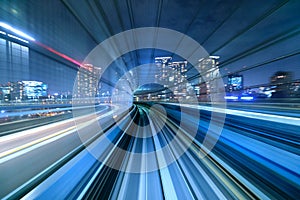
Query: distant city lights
[
  {"x": 247, "y": 98},
  {"x": 231, "y": 98},
  {"x": 236, "y": 98}
]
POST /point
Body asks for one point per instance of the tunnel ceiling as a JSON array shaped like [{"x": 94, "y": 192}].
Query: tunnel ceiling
[{"x": 245, "y": 34}]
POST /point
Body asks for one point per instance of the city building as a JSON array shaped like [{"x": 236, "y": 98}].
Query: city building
[
  {"x": 4, "y": 93},
  {"x": 23, "y": 90},
  {"x": 295, "y": 89},
  {"x": 162, "y": 76},
  {"x": 172, "y": 76},
  {"x": 34, "y": 89},
  {"x": 177, "y": 77},
  {"x": 235, "y": 83},
  {"x": 281, "y": 80},
  {"x": 87, "y": 81},
  {"x": 16, "y": 91},
  {"x": 209, "y": 72}
]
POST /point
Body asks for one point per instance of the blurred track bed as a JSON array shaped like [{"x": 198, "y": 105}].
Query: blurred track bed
[
  {"x": 249, "y": 161},
  {"x": 283, "y": 109},
  {"x": 262, "y": 152},
  {"x": 37, "y": 153},
  {"x": 254, "y": 158}
]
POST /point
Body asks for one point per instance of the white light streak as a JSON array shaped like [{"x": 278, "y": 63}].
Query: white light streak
[
  {"x": 15, "y": 37},
  {"x": 16, "y": 31},
  {"x": 247, "y": 98},
  {"x": 231, "y": 97},
  {"x": 248, "y": 114}
]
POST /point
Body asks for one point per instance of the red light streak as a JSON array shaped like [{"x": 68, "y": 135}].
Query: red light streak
[{"x": 59, "y": 54}]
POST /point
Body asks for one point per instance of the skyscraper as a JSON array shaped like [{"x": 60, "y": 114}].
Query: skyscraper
[
  {"x": 172, "y": 76},
  {"x": 87, "y": 81},
  {"x": 209, "y": 73},
  {"x": 163, "y": 71}
]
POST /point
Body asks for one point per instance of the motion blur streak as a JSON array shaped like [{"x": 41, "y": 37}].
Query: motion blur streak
[{"x": 249, "y": 160}]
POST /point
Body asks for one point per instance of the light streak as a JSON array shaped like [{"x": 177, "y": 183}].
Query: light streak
[
  {"x": 16, "y": 31},
  {"x": 17, "y": 38},
  {"x": 20, "y": 150},
  {"x": 231, "y": 97},
  {"x": 59, "y": 54},
  {"x": 247, "y": 98},
  {"x": 24, "y": 35},
  {"x": 254, "y": 115}
]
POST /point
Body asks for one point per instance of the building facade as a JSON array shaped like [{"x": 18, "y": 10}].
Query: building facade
[{"x": 87, "y": 81}]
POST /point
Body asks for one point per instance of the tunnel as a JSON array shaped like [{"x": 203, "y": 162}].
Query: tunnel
[{"x": 149, "y": 99}]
